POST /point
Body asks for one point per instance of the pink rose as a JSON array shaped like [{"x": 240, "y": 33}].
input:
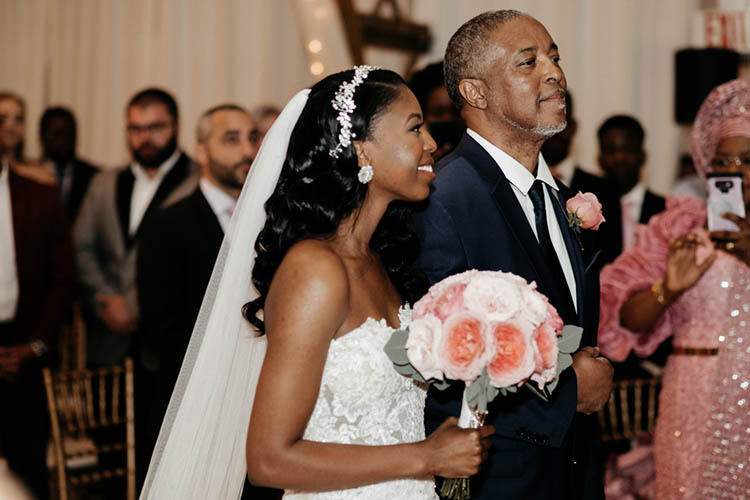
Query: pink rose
[
  {"x": 449, "y": 300},
  {"x": 513, "y": 358},
  {"x": 498, "y": 299},
  {"x": 535, "y": 304},
  {"x": 423, "y": 306},
  {"x": 463, "y": 347},
  {"x": 424, "y": 337},
  {"x": 586, "y": 207}
]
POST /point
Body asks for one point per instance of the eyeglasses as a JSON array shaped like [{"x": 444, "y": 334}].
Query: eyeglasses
[
  {"x": 729, "y": 161},
  {"x": 152, "y": 128}
]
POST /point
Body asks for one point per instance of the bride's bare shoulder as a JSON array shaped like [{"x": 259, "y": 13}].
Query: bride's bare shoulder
[{"x": 312, "y": 271}]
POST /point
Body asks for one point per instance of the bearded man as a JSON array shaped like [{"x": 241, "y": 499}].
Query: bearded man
[{"x": 117, "y": 206}]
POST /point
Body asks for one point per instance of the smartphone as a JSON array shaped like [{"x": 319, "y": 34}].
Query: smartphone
[{"x": 724, "y": 195}]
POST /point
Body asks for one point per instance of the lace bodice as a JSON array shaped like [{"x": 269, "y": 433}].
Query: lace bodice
[{"x": 363, "y": 400}]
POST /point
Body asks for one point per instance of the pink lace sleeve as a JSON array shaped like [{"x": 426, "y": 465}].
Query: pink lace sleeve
[{"x": 637, "y": 269}]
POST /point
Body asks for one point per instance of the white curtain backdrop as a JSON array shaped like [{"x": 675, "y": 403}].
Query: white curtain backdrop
[{"x": 91, "y": 55}]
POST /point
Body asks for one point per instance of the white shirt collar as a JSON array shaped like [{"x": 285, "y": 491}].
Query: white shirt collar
[
  {"x": 635, "y": 195},
  {"x": 517, "y": 174},
  {"x": 219, "y": 200},
  {"x": 140, "y": 172}
]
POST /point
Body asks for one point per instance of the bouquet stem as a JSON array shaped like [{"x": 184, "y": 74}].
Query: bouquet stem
[{"x": 458, "y": 488}]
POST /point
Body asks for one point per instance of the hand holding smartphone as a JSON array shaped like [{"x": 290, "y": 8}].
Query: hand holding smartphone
[{"x": 724, "y": 196}]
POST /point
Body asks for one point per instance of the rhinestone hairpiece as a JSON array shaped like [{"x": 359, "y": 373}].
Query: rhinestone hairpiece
[{"x": 343, "y": 102}]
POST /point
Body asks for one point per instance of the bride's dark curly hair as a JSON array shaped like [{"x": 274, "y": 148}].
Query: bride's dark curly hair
[{"x": 315, "y": 191}]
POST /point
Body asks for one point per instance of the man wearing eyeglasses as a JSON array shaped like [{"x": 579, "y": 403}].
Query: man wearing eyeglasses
[{"x": 117, "y": 206}]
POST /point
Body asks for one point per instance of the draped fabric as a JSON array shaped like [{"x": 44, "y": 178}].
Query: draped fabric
[{"x": 92, "y": 55}]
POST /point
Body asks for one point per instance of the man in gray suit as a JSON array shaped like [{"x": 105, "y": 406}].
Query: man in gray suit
[{"x": 118, "y": 204}]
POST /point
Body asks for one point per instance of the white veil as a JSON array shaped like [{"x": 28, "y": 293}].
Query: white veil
[{"x": 200, "y": 453}]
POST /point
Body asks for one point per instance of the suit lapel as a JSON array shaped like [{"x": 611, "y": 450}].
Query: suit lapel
[
  {"x": 515, "y": 217},
  {"x": 575, "y": 253},
  {"x": 124, "y": 193},
  {"x": 20, "y": 207},
  {"x": 206, "y": 218},
  {"x": 174, "y": 177}
]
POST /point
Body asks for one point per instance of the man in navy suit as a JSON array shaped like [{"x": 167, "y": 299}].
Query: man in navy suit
[{"x": 496, "y": 206}]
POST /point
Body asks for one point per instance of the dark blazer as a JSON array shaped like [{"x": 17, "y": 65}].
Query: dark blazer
[
  {"x": 176, "y": 256},
  {"x": 44, "y": 261},
  {"x": 610, "y": 233},
  {"x": 473, "y": 220},
  {"x": 106, "y": 251}
]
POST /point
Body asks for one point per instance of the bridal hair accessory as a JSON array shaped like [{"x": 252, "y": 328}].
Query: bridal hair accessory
[
  {"x": 365, "y": 174},
  {"x": 343, "y": 102}
]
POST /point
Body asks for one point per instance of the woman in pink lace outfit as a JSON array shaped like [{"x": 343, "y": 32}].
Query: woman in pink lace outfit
[{"x": 681, "y": 280}]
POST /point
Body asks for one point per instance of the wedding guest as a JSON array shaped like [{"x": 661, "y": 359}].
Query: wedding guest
[
  {"x": 58, "y": 133},
  {"x": 440, "y": 114},
  {"x": 621, "y": 158},
  {"x": 36, "y": 282},
  {"x": 682, "y": 281},
  {"x": 331, "y": 418},
  {"x": 187, "y": 236},
  {"x": 12, "y": 124},
  {"x": 496, "y": 206},
  {"x": 117, "y": 205}
]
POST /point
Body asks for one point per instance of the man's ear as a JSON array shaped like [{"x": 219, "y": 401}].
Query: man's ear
[
  {"x": 360, "y": 149},
  {"x": 474, "y": 92},
  {"x": 201, "y": 155}
]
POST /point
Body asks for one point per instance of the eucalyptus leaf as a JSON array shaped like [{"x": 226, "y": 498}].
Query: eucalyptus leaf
[
  {"x": 395, "y": 348},
  {"x": 440, "y": 385},
  {"x": 570, "y": 339},
  {"x": 491, "y": 392},
  {"x": 530, "y": 386},
  {"x": 473, "y": 390}
]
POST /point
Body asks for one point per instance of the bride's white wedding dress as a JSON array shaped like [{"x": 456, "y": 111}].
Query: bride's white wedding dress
[{"x": 363, "y": 400}]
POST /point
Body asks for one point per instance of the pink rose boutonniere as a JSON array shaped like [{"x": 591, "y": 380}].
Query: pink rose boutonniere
[
  {"x": 584, "y": 212},
  {"x": 490, "y": 330}
]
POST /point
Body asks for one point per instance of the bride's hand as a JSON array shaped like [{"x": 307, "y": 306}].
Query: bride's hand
[{"x": 455, "y": 452}]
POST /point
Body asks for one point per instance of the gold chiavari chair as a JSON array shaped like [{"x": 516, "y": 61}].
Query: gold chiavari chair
[{"x": 93, "y": 428}]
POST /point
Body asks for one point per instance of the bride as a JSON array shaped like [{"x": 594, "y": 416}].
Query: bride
[{"x": 332, "y": 273}]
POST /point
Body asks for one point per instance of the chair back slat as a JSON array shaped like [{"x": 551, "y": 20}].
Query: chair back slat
[
  {"x": 93, "y": 423},
  {"x": 103, "y": 397},
  {"x": 631, "y": 409}
]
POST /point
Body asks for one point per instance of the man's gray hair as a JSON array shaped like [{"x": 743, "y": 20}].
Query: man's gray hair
[
  {"x": 467, "y": 54},
  {"x": 203, "y": 129}
]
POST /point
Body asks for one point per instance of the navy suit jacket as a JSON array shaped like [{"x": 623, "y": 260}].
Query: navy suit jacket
[{"x": 472, "y": 220}]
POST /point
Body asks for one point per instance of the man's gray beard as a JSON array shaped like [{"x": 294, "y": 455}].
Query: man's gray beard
[
  {"x": 550, "y": 130},
  {"x": 543, "y": 130}
]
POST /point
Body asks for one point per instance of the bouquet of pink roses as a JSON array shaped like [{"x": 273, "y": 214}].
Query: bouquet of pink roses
[{"x": 491, "y": 330}]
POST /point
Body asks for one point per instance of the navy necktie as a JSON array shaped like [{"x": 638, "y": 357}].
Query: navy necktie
[{"x": 536, "y": 193}]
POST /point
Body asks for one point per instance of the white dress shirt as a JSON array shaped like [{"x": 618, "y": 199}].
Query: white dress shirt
[
  {"x": 221, "y": 203},
  {"x": 144, "y": 189},
  {"x": 8, "y": 271},
  {"x": 631, "y": 203},
  {"x": 521, "y": 181}
]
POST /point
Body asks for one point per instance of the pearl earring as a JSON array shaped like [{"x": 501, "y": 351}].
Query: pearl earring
[{"x": 365, "y": 174}]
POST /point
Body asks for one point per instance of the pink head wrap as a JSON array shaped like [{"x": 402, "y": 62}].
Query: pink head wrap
[{"x": 724, "y": 113}]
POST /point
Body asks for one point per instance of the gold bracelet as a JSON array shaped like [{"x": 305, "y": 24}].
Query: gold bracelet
[{"x": 658, "y": 290}]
